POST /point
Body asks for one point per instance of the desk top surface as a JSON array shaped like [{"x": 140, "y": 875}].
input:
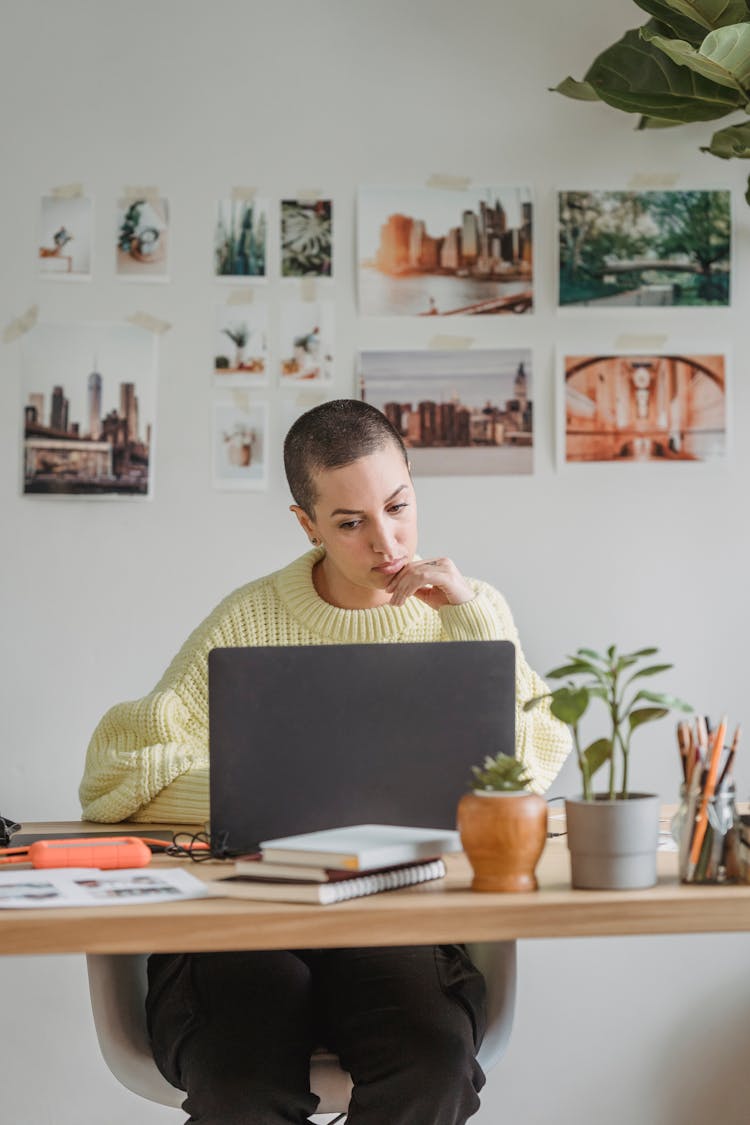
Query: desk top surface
[{"x": 439, "y": 912}]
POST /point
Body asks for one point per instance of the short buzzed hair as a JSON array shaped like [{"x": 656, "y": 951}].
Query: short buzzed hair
[{"x": 332, "y": 435}]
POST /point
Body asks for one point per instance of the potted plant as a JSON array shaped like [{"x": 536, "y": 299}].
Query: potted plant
[
  {"x": 612, "y": 835},
  {"x": 689, "y": 63},
  {"x": 503, "y": 826}
]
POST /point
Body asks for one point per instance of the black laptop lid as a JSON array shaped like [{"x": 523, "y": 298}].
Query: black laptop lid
[{"x": 310, "y": 737}]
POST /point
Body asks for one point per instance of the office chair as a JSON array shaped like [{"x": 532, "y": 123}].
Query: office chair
[{"x": 117, "y": 984}]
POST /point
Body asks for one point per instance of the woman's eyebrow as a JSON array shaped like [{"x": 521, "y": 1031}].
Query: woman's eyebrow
[{"x": 360, "y": 511}]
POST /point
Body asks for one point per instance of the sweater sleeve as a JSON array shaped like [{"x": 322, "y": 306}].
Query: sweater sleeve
[
  {"x": 148, "y": 759},
  {"x": 542, "y": 741}
]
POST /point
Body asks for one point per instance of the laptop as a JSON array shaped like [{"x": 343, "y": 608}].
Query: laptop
[{"x": 306, "y": 738}]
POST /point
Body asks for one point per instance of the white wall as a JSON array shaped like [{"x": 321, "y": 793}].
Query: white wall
[{"x": 96, "y": 598}]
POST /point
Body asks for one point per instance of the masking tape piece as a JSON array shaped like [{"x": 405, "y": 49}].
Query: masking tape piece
[
  {"x": 131, "y": 193},
  {"x": 241, "y": 297},
  {"x": 308, "y": 195},
  {"x": 21, "y": 325},
  {"x": 307, "y": 289},
  {"x": 243, "y": 194},
  {"x": 451, "y": 183},
  {"x": 241, "y": 400},
  {"x": 67, "y": 191},
  {"x": 454, "y": 343},
  {"x": 629, "y": 342},
  {"x": 653, "y": 180},
  {"x": 150, "y": 323}
]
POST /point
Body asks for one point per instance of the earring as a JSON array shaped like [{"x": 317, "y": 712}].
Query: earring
[{"x": 314, "y": 542}]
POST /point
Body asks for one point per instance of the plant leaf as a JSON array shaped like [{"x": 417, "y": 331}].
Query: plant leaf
[
  {"x": 568, "y": 704},
  {"x": 747, "y": 193},
  {"x": 590, "y": 653},
  {"x": 670, "y": 701},
  {"x": 575, "y": 669},
  {"x": 582, "y": 91},
  {"x": 656, "y": 123},
  {"x": 652, "y": 670},
  {"x": 732, "y": 141},
  {"x": 691, "y": 19},
  {"x": 634, "y": 76},
  {"x": 644, "y": 652},
  {"x": 723, "y": 56},
  {"x": 597, "y": 754},
  {"x": 646, "y": 715}
]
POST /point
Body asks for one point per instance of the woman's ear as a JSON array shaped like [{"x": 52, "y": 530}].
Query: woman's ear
[{"x": 305, "y": 523}]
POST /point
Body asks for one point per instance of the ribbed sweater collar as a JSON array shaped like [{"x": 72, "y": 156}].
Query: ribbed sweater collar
[{"x": 346, "y": 626}]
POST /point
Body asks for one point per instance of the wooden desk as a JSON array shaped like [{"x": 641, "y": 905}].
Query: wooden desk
[{"x": 445, "y": 911}]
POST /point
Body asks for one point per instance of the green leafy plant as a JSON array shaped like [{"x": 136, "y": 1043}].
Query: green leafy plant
[
  {"x": 611, "y": 678},
  {"x": 690, "y": 62},
  {"x": 501, "y": 774}
]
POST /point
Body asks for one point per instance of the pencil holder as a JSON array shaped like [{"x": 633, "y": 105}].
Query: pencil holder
[{"x": 708, "y": 844}]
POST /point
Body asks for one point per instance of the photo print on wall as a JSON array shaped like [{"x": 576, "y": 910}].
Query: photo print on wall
[
  {"x": 433, "y": 252},
  {"x": 240, "y": 238},
  {"x": 460, "y": 413},
  {"x": 65, "y": 238},
  {"x": 89, "y": 410},
  {"x": 241, "y": 345},
  {"x": 647, "y": 408},
  {"x": 306, "y": 238},
  {"x": 306, "y": 342},
  {"x": 240, "y": 442},
  {"x": 641, "y": 249},
  {"x": 142, "y": 239}
]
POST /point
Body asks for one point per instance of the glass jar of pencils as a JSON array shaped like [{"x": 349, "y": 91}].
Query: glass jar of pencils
[{"x": 706, "y": 829}]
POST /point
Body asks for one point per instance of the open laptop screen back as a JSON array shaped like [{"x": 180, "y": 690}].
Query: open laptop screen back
[{"x": 312, "y": 737}]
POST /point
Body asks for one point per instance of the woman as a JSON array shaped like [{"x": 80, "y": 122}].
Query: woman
[{"x": 235, "y": 1030}]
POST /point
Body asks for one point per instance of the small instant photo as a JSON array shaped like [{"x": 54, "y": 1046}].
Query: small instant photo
[
  {"x": 240, "y": 442},
  {"x": 142, "y": 239},
  {"x": 306, "y": 237},
  {"x": 65, "y": 238},
  {"x": 306, "y": 349},
  {"x": 241, "y": 239},
  {"x": 240, "y": 355}
]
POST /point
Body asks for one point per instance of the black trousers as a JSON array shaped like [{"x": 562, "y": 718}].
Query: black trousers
[{"x": 236, "y": 1030}]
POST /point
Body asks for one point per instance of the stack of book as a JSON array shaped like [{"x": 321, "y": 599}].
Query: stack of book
[{"x": 338, "y": 864}]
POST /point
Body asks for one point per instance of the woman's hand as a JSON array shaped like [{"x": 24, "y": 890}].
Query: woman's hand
[{"x": 437, "y": 582}]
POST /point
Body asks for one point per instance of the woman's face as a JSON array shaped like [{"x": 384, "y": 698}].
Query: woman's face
[{"x": 366, "y": 516}]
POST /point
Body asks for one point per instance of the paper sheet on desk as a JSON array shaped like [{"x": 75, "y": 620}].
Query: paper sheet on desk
[{"x": 88, "y": 886}]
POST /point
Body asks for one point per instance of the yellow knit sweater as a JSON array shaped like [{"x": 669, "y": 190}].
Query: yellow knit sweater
[{"x": 148, "y": 760}]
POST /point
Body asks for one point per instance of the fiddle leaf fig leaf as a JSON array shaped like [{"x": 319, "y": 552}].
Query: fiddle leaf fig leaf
[
  {"x": 595, "y": 755},
  {"x": 723, "y": 56},
  {"x": 732, "y": 141},
  {"x": 568, "y": 704},
  {"x": 582, "y": 91},
  {"x": 646, "y": 715},
  {"x": 635, "y": 76},
  {"x": 691, "y": 19}
]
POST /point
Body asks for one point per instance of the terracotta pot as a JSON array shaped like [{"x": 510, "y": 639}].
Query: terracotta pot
[{"x": 503, "y": 835}]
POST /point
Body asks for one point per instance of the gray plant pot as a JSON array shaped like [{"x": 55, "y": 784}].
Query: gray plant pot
[{"x": 613, "y": 843}]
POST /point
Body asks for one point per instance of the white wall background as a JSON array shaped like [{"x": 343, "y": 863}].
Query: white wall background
[{"x": 96, "y": 598}]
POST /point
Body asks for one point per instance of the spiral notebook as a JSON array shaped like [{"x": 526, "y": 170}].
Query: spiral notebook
[{"x": 241, "y": 886}]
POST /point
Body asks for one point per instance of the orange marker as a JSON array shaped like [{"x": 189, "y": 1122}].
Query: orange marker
[{"x": 708, "y": 792}]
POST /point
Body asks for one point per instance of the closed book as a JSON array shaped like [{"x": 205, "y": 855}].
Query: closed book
[
  {"x": 361, "y": 846},
  {"x": 356, "y": 886},
  {"x": 254, "y": 867}
]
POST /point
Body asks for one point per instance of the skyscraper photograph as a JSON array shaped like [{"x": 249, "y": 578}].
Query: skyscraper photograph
[{"x": 89, "y": 410}]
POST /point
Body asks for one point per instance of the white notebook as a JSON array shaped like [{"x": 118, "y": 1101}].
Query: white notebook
[
  {"x": 239, "y": 886},
  {"x": 362, "y": 846}
]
